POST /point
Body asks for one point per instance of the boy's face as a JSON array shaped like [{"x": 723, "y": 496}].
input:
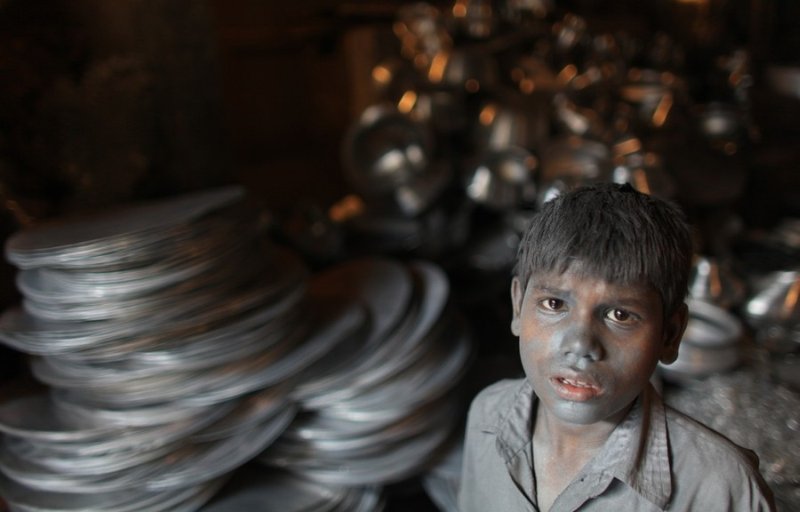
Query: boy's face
[{"x": 588, "y": 346}]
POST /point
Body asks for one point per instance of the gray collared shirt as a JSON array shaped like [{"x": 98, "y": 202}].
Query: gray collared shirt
[{"x": 656, "y": 459}]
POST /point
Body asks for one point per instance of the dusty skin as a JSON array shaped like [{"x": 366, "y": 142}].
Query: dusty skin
[{"x": 588, "y": 347}]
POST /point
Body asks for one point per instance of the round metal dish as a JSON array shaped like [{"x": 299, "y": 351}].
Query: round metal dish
[
  {"x": 441, "y": 483},
  {"x": 59, "y": 242},
  {"x": 396, "y": 350},
  {"x": 275, "y": 490},
  {"x": 128, "y": 500},
  {"x": 33, "y": 417},
  {"x": 159, "y": 328},
  {"x": 385, "y": 288},
  {"x": 383, "y": 422}
]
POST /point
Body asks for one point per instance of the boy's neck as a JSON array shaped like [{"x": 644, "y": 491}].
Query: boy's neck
[
  {"x": 570, "y": 440},
  {"x": 561, "y": 450}
]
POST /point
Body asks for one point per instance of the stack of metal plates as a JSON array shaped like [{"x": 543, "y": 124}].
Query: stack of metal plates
[
  {"x": 376, "y": 410},
  {"x": 443, "y": 480},
  {"x": 168, "y": 334},
  {"x": 280, "y": 491}
]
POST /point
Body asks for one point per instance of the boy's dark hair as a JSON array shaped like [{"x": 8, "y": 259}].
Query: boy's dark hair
[{"x": 619, "y": 234}]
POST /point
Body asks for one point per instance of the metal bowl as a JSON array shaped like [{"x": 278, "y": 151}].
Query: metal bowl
[
  {"x": 711, "y": 326},
  {"x": 709, "y": 345},
  {"x": 385, "y": 149}
]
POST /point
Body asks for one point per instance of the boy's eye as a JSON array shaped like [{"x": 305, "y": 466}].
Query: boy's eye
[
  {"x": 552, "y": 304},
  {"x": 619, "y": 315}
]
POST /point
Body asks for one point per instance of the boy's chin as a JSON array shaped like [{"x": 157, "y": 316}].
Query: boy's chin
[{"x": 589, "y": 412}]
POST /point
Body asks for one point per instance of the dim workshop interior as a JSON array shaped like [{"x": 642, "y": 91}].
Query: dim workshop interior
[{"x": 257, "y": 254}]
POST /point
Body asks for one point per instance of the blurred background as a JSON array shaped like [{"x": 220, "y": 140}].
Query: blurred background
[{"x": 432, "y": 131}]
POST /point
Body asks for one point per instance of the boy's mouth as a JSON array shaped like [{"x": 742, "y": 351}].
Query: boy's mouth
[{"x": 575, "y": 389}]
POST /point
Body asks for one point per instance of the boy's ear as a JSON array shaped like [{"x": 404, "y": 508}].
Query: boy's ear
[
  {"x": 516, "y": 305},
  {"x": 673, "y": 333}
]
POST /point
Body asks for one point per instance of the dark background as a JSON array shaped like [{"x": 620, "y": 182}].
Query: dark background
[{"x": 106, "y": 102}]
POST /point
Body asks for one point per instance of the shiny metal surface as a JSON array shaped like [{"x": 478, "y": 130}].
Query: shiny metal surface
[
  {"x": 442, "y": 481},
  {"x": 275, "y": 490},
  {"x": 379, "y": 418},
  {"x": 60, "y": 243},
  {"x": 714, "y": 283},
  {"x": 775, "y": 299},
  {"x": 502, "y": 179},
  {"x": 385, "y": 287},
  {"x": 463, "y": 70},
  {"x": 167, "y": 333},
  {"x": 385, "y": 149},
  {"x": 774, "y": 311},
  {"x": 572, "y": 161},
  {"x": 643, "y": 170},
  {"x": 509, "y": 122},
  {"x": 575, "y": 157},
  {"x": 711, "y": 326},
  {"x": 421, "y": 29},
  {"x": 190, "y": 498},
  {"x": 710, "y": 344}
]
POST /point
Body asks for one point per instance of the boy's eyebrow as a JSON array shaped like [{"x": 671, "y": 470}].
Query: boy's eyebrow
[
  {"x": 623, "y": 298},
  {"x": 551, "y": 289}
]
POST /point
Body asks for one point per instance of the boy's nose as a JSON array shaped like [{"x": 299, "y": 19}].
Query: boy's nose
[{"x": 581, "y": 343}]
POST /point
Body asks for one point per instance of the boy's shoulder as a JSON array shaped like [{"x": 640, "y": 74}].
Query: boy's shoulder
[
  {"x": 689, "y": 437},
  {"x": 493, "y": 402},
  {"x": 706, "y": 465}
]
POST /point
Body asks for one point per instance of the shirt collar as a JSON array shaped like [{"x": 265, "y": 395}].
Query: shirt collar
[
  {"x": 514, "y": 429},
  {"x": 636, "y": 453},
  {"x": 638, "y": 449}
]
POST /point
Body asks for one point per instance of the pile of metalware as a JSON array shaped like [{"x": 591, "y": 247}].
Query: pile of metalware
[{"x": 176, "y": 344}]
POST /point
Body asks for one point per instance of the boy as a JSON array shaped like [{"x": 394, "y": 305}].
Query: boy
[{"x": 598, "y": 300}]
